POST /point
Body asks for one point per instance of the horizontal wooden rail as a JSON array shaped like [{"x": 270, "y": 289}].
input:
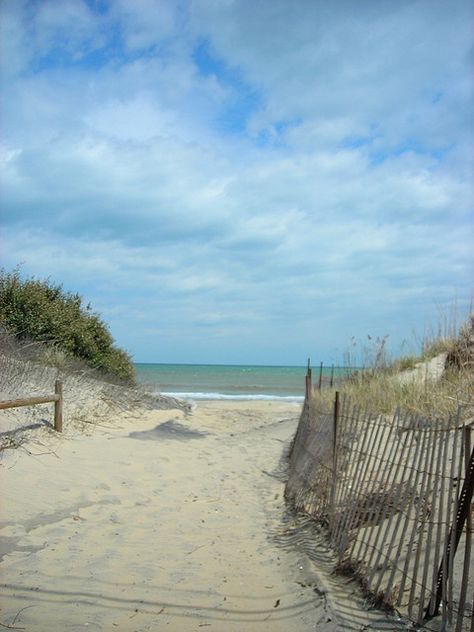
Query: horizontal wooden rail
[
  {"x": 57, "y": 399},
  {"x": 30, "y": 401}
]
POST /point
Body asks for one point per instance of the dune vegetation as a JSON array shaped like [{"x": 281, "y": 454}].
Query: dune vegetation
[
  {"x": 59, "y": 327},
  {"x": 438, "y": 382}
]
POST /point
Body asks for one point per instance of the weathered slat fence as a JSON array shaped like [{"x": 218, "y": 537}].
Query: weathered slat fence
[
  {"x": 330, "y": 376},
  {"x": 57, "y": 399},
  {"x": 396, "y": 496}
]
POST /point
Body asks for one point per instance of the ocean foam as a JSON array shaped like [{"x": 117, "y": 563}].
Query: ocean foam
[{"x": 246, "y": 397}]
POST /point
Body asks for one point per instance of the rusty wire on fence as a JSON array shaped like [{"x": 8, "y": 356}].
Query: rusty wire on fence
[{"x": 396, "y": 496}]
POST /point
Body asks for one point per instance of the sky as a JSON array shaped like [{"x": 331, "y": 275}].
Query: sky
[{"x": 242, "y": 181}]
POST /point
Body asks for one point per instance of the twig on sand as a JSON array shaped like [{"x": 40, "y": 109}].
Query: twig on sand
[
  {"x": 12, "y": 626},
  {"x": 195, "y": 549},
  {"x": 18, "y": 614},
  {"x": 35, "y": 454},
  {"x": 96, "y": 423}
]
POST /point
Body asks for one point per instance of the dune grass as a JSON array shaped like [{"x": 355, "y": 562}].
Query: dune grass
[{"x": 412, "y": 383}]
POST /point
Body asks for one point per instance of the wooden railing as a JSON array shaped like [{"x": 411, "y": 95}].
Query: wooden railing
[{"x": 57, "y": 398}]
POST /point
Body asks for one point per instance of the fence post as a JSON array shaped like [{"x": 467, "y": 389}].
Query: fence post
[
  {"x": 58, "y": 406},
  {"x": 468, "y": 544},
  {"x": 332, "y": 376},
  {"x": 310, "y": 380},
  {"x": 320, "y": 381},
  {"x": 465, "y": 500},
  {"x": 334, "y": 458}
]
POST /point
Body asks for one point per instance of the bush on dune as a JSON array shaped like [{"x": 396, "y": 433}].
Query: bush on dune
[{"x": 43, "y": 311}]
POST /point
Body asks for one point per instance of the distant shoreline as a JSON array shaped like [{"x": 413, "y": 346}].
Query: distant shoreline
[{"x": 211, "y": 382}]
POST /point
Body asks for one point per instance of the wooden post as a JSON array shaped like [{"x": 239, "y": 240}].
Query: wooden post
[
  {"x": 464, "y": 507},
  {"x": 332, "y": 376},
  {"x": 58, "y": 406},
  {"x": 308, "y": 381},
  {"x": 320, "y": 381},
  {"x": 334, "y": 458},
  {"x": 468, "y": 542}
]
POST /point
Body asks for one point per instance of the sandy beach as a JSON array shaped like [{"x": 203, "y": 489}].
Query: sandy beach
[{"x": 166, "y": 521}]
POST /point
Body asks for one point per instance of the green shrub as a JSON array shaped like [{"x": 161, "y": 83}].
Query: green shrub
[{"x": 42, "y": 311}]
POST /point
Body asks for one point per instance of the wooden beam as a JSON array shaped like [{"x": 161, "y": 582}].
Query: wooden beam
[{"x": 29, "y": 401}]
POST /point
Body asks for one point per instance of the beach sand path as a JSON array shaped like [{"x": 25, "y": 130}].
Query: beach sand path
[{"x": 163, "y": 522}]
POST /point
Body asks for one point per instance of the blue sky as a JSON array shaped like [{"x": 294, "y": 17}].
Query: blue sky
[{"x": 236, "y": 181}]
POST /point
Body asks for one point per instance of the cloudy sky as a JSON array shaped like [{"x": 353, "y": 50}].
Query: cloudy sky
[{"x": 242, "y": 181}]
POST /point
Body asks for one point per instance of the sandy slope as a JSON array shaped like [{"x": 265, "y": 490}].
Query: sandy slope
[
  {"x": 165, "y": 522},
  {"x": 429, "y": 370}
]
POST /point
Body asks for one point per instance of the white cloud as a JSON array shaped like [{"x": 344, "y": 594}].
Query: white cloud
[
  {"x": 145, "y": 23},
  {"x": 69, "y": 26},
  {"x": 347, "y": 190},
  {"x": 380, "y": 65}
]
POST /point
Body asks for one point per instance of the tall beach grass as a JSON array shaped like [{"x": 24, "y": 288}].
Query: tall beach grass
[{"x": 435, "y": 383}]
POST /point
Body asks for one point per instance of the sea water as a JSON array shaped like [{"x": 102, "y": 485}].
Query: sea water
[{"x": 211, "y": 381}]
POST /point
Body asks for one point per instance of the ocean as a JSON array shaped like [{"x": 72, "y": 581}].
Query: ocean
[
  {"x": 235, "y": 382},
  {"x": 211, "y": 381}
]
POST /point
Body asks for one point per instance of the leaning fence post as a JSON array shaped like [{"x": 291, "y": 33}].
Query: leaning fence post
[
  {"x": 468, "y": 542},
  {"x": 464, "y": 507},
  {"x": 308, "y": 382},
  {"x": 320, "y": 381},
  {"x": 58, "y": 406},
  {"x": 334, "y": 458}
]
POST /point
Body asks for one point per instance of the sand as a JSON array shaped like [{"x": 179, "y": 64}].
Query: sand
[
  {"x": 166, "y": 521},
  {"x": 431, "y": 369}
]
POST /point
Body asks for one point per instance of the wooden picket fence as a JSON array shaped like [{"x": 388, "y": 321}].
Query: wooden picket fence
[{"x": 396, "y": 497}]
